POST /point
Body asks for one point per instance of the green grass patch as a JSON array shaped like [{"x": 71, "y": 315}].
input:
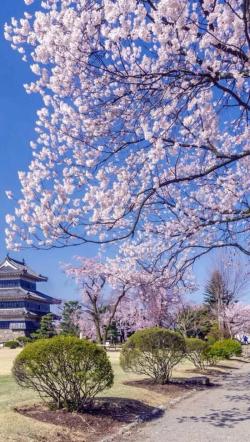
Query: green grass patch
[{"x": 15, "y": 427}]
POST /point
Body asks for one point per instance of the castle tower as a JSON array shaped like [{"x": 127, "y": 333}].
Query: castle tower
[{"x": 21, "y": 304}]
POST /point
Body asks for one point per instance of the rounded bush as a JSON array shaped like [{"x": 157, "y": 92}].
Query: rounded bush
[
  {"x": 23, "y": 340},
  {"x": 225, "y": 349},
  {"x": 153, "y": 352},
  {"x": 195, "y": 352},
  {"x": 210, "y": 358},
  {"x": 67, "y": 370},
  {"x": 11, "y": 344}
]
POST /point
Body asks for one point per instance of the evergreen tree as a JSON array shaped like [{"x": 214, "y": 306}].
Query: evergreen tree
[
  {"x": 217, "y": 297},
  {"x": 47, "y": 327},
  {"x": 216, "y": 292},
  {"x": 70, "y": 318},
  {"x": 113, "y": 332}
]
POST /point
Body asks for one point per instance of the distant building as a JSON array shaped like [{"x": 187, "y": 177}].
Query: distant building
[{"x": 21, "y": 305}]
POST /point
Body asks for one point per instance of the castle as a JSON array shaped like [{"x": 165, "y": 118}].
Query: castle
[{"x": 21, "y": 304}]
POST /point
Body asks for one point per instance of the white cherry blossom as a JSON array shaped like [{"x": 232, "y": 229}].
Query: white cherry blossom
[{"x": 144, "y": 133}]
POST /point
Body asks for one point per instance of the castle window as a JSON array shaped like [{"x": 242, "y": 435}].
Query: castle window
[
  {"x": 9, "y": 283},
  {"x": 4, "y": 324}
]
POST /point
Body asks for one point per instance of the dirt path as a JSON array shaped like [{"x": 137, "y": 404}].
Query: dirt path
[{"x": 220, "y": 414}]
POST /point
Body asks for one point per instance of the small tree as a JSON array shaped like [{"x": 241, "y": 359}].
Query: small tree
[
  {"x": 193, "y": 321},
  {"x": 195, "y": 349},
  {"x": 113, "y": 332},
  {"x": 103, "y": 287},
  {"x": 47, "y": 328},
  {"x": 71, "y": 315},
  {"x": 153, "y": 352},
  {"x": 67, "y": 370}
]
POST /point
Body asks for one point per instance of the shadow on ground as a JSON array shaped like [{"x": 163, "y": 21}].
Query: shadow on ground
[
  {"x": 244, "y": 361},
  {"x": 125, "y": 410},
  {"x": 109, "y": 408},
  {"x": 176, "y": 387},
  {"x": 229, "y": 417},
  {"x": 219, "y": 418}
]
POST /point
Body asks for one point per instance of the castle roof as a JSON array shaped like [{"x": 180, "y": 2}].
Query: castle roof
[
  {"x": 19, "y": 293},
  {"x": 17, "y": 313},
  {"x": 11, "y": 267},
  {"x": 21, "y": 313}
]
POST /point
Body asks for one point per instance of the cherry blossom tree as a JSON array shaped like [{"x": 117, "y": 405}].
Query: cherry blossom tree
[
  {"x": 102, "y": 286},
  {"x": 158, "y": 303},
  {"x": 237, "y": 319},
  {"x": 143, "y": 134},
  {"x": 114, "y": 292},
  {"x": 154, "y": 305},
  {"x": 235, "y": 271}
]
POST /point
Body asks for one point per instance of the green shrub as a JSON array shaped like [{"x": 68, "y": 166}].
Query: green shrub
[
  {"x": 67, "y": 370},
  {"x": 215, "y": 334},
  {"x": 23, "y": 340},
  {"x": 225, "y": 349},
  {"x": 209, "y": 357},
  {"x": 11, "y": 344},
  {"x": 195, "y": 349},
  {"x": 153, "y": 352},
  {"x": 47, "y": 328}
]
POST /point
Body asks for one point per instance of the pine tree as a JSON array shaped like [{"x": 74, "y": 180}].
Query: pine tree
[
  {"x": 47, "y": 327},
  {"x": 217, "y": 292},
  {"x": 70, "y": 318},
  {"x": 217, "y": 297}
]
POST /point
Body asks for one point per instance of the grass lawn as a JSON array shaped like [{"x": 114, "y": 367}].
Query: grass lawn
[
  {"x": 13, "y": 426},
  {"x": 16, "y": 427}
]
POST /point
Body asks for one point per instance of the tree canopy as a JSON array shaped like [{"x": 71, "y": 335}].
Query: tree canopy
[
  {"x": 144, "y": 131},
  {"x": 71, "y": 315}
]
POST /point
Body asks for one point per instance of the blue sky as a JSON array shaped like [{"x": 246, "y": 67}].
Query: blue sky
[{"x": 17, "y": 117}]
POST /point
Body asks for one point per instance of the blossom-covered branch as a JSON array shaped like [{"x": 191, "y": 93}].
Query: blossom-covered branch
[{"x": 144, "y": 132}]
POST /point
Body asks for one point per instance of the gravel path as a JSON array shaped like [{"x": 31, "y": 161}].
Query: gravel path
[{"x": 219, "y": 414}]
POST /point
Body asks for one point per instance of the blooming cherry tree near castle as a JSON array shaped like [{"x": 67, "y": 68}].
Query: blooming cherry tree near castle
[
  {"x": 103, "y": 287},
  {"x": 144, "y": 131},
  {"x": 113, "y": 291}
]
